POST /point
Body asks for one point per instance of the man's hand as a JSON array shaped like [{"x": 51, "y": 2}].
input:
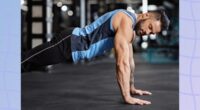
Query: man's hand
[
  {"x": 135, "y": 91},
  {"x": 131, "y": 100}
]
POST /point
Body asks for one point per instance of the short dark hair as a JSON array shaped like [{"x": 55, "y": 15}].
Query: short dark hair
[{"x": 164, "y": 19}]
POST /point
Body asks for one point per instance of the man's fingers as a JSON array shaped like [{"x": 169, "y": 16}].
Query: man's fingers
[
  {"x": 137, "y": 101},
  {"x": 146, "y": 102},
  {"x": 140, "y": 92},
  {"x": 147, "y": 92},
  {"x": 142, "y": 102}
]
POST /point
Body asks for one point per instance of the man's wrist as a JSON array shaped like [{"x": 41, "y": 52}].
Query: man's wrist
[
  {"x": 132, "y": 88},
  {"x": 126, "y": 94},
  {"x": 126, "y": 97},
  {"x": 132, "y": 83}
]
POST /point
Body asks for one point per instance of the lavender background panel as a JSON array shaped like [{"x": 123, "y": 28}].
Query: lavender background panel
[
  {"x": 189, "y": 55},
  {"x": 10, "y": 90}
]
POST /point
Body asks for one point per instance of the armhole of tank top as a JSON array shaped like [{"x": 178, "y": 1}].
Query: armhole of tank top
[
  {"x": 132, "y": 19},
  {"x": 111, "y": 20}
]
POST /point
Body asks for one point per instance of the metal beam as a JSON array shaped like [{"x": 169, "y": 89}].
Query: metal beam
[{"x": 82, "y": 18}]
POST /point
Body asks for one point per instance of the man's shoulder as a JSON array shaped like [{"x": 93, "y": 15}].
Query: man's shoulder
[{"x": 122, "y": 17}]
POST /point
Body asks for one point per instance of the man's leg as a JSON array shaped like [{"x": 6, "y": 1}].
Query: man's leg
[{"x": 53, "y": 52}]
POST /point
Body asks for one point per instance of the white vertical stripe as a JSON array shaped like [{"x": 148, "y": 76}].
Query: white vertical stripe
[
  {"x": 144, "y": 9},
  {"x": 144, "y": 6},
  {"x": 82, "y": 18}
]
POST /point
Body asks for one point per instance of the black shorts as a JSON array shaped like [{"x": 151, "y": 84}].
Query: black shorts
[{"x": 58, "y": 50}]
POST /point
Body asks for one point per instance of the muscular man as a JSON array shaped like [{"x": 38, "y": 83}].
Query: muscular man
[{"x": 116, "y": 29}]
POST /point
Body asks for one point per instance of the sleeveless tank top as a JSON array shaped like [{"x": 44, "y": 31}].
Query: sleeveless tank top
[{"x": 96, "y": 38}]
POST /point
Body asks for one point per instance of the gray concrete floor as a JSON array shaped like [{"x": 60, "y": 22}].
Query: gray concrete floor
[{"x": 93, "y": 87}]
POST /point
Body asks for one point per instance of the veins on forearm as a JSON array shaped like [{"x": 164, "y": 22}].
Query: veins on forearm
[{"x": 132, "y": 78}]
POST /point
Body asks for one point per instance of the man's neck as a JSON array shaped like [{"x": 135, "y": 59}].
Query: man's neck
[{"x": 139, "y": 17}]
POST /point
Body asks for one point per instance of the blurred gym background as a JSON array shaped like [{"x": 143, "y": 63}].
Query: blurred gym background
[
  {"x": 42, "y": 19},
  {"x": 93, "y": 85}
]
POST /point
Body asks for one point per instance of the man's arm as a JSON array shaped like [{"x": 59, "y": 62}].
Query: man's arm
[
  {"x": 121, "y": 45},
  {"x": 132, "y": 65},
  {"x": 122, "y": 67},
  {"x": 123, "y": 71},
  {"x": 133, "y": 90}
]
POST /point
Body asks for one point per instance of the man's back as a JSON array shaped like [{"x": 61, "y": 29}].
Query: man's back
[{"x": 97, "y": 38}]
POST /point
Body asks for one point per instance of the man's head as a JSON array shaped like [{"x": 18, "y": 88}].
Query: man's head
[{"x": 151, "y": 23}]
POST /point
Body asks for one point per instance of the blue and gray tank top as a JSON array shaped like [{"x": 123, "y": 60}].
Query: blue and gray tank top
[{"x": 97, "y": 38}]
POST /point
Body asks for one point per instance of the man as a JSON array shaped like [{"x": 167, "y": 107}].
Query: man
[{"x": 116, "y": 29}]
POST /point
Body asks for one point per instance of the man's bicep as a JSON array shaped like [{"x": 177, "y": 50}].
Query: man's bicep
[
  {"x": 123, "y": 29},
  {"x": 123, "y": 37}
]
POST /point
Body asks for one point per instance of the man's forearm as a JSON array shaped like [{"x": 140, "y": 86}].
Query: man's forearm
[
  {"x": 123, "y": 78},
  {"x": 132, "y": 66}
]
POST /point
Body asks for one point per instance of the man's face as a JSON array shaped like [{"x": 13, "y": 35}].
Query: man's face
[{"x": 147, "y": 27}]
